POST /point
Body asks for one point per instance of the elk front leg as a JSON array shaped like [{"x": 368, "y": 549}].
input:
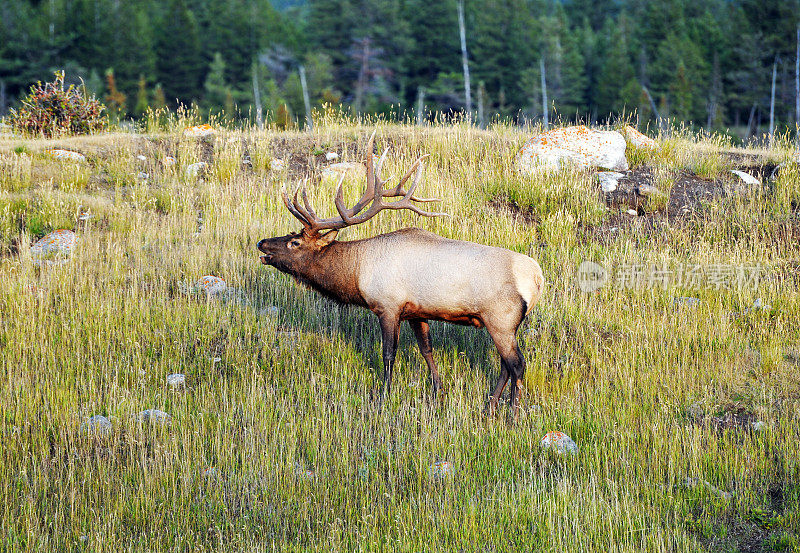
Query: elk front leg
[
  {"x": 390, "y": 335},
  {"x": 422, "y": 331}
]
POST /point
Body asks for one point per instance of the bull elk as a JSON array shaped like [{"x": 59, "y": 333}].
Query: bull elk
[{"x": 411, "y": 275}]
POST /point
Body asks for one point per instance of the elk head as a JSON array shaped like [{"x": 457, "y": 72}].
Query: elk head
[{"x": 292, "y": 252}]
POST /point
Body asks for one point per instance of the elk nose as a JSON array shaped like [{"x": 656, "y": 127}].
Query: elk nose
[{"x": 260, "y": 243}]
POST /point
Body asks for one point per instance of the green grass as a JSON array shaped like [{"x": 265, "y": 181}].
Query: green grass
[{"x": 622, "y": 371}]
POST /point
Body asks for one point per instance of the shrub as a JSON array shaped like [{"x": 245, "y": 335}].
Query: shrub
[{"x": 51, "y": 110}]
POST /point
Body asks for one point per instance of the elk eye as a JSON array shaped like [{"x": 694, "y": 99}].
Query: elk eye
[{"x": 293, "y": 244}]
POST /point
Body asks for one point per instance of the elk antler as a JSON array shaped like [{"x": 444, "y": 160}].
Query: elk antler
[{"x": 374, "y": 193}]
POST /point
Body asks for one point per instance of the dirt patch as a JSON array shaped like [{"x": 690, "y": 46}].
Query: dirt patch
[{"x": 505, "y": 206}]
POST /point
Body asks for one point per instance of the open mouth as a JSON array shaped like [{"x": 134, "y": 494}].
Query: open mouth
[{"x": 265, "y": 259}]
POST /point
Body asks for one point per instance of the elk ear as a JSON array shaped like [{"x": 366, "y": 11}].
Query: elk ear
[{"x": 327, "y": 238}]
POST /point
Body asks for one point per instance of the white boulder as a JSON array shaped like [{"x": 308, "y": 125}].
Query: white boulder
[
  {"x": 639, "y": 140},
  {"x": 747, "y": 178},
  {"x": 608, "y": 180},
  {"x": 199, "y": 131},
  {"x": 97, "y": 425},
  {"x": 67, "y": 155},
  {"x": 176, "y": 380},
  {"x": 195, "y": 169},
  {"x": 579, "y": 146}
]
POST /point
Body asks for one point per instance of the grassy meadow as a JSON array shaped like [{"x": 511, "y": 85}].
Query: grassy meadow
[{"x": 685, "y": 415}]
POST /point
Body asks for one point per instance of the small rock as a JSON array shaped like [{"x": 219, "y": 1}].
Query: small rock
[
  {"x": 199, "y": 131},
  {"x": 440, "y": 469},
  {"x": 747, "y": 178},
  {"x": 85, "y": 216},
  {"x": 195, "y": 168},
  {"x": 560, "y": 442},
  {"x": 608, "y": 180},
  {"x": 632, "y": 212},
  {"x": 757, "y": 425},
  {"x": 637, "y": 139},
  {"x": 695, "y": 482},
  {"x": 302, "y": 473},
  {"x": 143, "y": 176},
  {"x": 330, "y": 156},
  {"x": 212, "y": 285},
  {"x": 648, "y": 190},
  {"x": 176, "y": 380},
  {"x": 169, "y": 161},
  {"x": 54, "y": 247},
  {"x": 66, "y": 155},
  {"x": 684, "y": 301},
  {"x": 140, "y": 157},
  {"x": 210, "y": 472},
  {"x": 277, "y": 164},
  {"x": 97, "y": 425},
  {"x": 154, "y": 416},
  {"x": 352, "y": 169}
]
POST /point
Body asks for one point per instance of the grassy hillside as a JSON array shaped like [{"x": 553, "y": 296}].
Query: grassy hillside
[{"x": 276, "y": 442}]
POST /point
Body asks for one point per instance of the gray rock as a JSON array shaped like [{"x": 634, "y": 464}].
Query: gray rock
[
  {"x": 154, "y": 416},
  {"x": 176, "y": 380},
  {"x": 559, "y": 442},
  {"x": 97, "y": 425}
]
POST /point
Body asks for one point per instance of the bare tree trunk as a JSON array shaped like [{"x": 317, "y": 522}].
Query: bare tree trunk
[
  {"x": 464, "y": 58},
  {"x": 653, "y": 107},
  {"x": 306, "y": 101},
  {"x": 2, "y": 97},
  {"x": 750, "y": 121},
  {"x": 772, "y": 102},
  {"x": 481, "y": 122},
  {"x": 257, "y": 99},
  {"x": 362, "y": 74},
  {"x": 545, "y": 118},
  {"x": 420, "y": 106}
]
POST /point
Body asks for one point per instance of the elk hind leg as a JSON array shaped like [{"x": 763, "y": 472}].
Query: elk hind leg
[
  {"x": 423, "y": 333},
  {"x": 512, "y": 362},
  {"x": 390, "y": 336}
]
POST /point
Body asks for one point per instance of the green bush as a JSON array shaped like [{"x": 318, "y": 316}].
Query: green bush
[{"x": 51, "y": 110}]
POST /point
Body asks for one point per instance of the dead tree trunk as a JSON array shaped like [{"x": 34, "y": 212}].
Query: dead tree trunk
[
  {"x": 545, "y": 119},
  {"x": 420, "y": 106},
  {"x": 653, "y": 107},
  {"x": 772, "y": 102},
  {"x": 306, "y": 101},
  {"x": 257, "y": 99},
  {"x": 464, "y": 58},
  {"x": 362, "y": 74}
]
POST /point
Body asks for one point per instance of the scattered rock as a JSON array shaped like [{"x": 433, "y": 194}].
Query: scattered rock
[
  {"x": 757, "y": 426},
  {"x": 747, "y": 178},
  {"x": 560, "y": 442},
  {"x": 176, "y": 380},
  {"x": 97, "y": 425},
  {"x": 199, "y": 131},
  {"x": 140, "y": 157},
  {"x": 440, "y": 469},
  {"x": 648, "y": 190},
  {"x": 608, "y": 180},
  {"x": 169, "y": 161},
  {"x": 632, "y": 212},
  {"x": 85, "y": 216},
  {"x": 578, "y": 146},
  {"x": 277, "y": 164},
  {"x": 696, "y": 482},
  {"x": 54, "y": 248},
  {"x": 154, "y": 416},
  {"x": 302, "y": 473},
  {"x": 683, "y": 301},
  {"x": 334, "y": 172},
  {"x": 143, "y": 176},
  {"x": 330, "y": 156},
  {"x": 637, "y": 139},
  {"x": 67, "y": 155},
  {"x": 212, "y": 285},
  {"x": 210, "y": 472},
  {"x": 195, "y": 169}
]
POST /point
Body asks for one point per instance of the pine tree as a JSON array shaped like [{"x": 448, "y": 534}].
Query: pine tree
[
  {"x": 142, "y": 103},
  {"x": 216, "y": 88},
  {"x": 180, "y": 72}
]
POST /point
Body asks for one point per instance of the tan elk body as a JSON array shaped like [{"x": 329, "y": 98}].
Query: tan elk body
[{"x": 412, "y": 275}]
